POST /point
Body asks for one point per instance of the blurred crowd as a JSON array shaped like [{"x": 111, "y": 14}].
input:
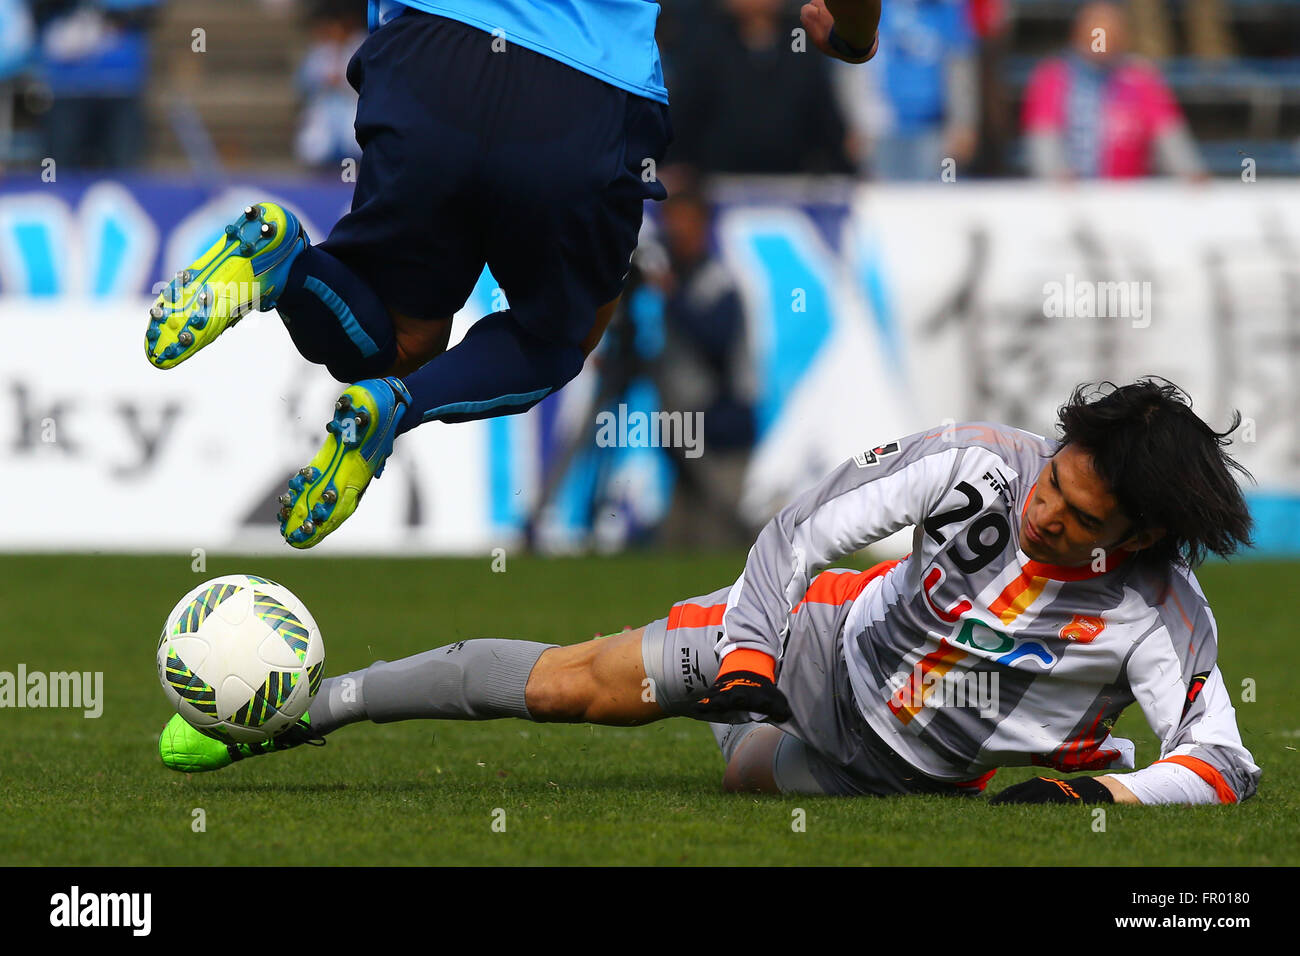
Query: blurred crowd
[
  {"x": 935, "y": 99},
  {"x": 748, "y": 94},
  {"x": 81, "y": 69}
]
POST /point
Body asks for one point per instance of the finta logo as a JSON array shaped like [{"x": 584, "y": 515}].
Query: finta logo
[{"x": 74, "y": 908}]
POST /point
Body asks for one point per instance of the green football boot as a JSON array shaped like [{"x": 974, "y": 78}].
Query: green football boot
[
  {"x": 325, "y": 493},
  {"x": 186, "y": 750},
  {"x": 245, "y": 269}
]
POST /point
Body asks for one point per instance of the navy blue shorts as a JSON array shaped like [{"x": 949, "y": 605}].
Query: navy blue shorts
[{"x": 509, "y": 159}]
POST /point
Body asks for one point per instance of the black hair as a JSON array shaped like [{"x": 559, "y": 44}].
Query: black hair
[{"x": 1165, "y": 466}]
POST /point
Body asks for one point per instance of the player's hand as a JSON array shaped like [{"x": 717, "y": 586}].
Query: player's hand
[
  {"x": 817, "y": 20},
  {"x": 1056, "y": 790},
  {"x": 744, "y": 691},
  {"x": 744, "y": 683}
]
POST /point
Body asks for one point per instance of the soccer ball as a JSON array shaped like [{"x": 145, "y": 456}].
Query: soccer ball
[{"x": 240, "y": 658}]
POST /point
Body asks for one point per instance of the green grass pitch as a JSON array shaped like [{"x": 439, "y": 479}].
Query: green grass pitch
[{"x": 79, "y": 791}]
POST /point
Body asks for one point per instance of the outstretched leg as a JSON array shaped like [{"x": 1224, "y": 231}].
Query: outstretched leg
[{"x": 600, "y": 681}]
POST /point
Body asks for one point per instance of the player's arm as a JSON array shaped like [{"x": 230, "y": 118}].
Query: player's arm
[
  {"x": 843, "y": 29},
  {"x": 864, "y": 500},
  {"x": 1173, "y": 676},
  {"x": 1176, "y": 680}
]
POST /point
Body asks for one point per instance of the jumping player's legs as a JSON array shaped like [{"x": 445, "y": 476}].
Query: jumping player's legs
[
  {"x": 562, "y": 198},
  {"x": 532, "y": 168},
  {"x": 417, "y": 341},
  {"x": 470, "y": 157},
  {"x": 409, "y": 250}
]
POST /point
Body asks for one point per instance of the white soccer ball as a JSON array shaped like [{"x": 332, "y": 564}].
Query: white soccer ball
[{"x": 240, "y": 658}]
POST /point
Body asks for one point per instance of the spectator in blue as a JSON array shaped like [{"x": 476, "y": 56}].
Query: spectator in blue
[
  {"x": 325, "y": 129},
  {"x": 95, "y": 58},
  {"x": 919, "y": 103},
  {"x": 17, "y": 38}
]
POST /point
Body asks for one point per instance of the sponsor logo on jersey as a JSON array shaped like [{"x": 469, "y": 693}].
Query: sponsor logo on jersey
[
  {"x": 981, "y": 637},
  {"x": 933, "y": 578},
  {"x": 865, "y": 459},
  {"x": 1082, "y": 629}
]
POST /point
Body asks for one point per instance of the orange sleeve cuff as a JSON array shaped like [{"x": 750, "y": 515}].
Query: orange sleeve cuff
[{"x": 753, "y": 661}]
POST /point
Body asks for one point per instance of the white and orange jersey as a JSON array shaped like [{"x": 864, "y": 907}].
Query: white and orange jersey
[{"x": 968, "y": 655}]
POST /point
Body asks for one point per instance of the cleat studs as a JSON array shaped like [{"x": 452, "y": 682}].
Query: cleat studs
[
  {"x": 308, "y": 528},
  {"x": 268, "y": 230},
  {"x": 331, "y": 427},
  {"x": 344, "y": 402},
  {"x": 329, "y": 496},
  {"x": 363, "y": 418},
  {"x": 285, "y": 499},
  {"x": 186, "y": 338},
  {"x": 305, "y": 472},
  {"x": 284, "y": 516},
  {"x": 156, "y": 312},
  {"x": 252, "y": 212},
  {"x": 184, "y": 276},
  {"x": 204, "y": 297}
]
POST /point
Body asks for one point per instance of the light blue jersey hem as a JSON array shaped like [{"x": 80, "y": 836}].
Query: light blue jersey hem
[{"x": 657, "y": 93}]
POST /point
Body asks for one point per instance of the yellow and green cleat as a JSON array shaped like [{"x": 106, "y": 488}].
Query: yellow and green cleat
[
  {"x": 186, "y": 750},
  {"x": 245, "y": 269},
  {"x": 325, "y": 493}
]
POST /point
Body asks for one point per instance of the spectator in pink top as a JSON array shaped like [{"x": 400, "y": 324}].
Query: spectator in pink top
[{"x": 1097, "y": 113}]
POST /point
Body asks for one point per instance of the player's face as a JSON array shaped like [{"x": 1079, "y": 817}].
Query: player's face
[{"x": 1071, "y": 513}]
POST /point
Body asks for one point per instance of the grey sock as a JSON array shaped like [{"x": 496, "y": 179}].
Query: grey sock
[
  {"x": 339, "y": 701},
  {"x": 468, "y": 680}
]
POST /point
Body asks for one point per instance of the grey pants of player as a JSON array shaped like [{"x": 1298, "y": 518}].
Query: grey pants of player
[{"x": 828, "y": 748}]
